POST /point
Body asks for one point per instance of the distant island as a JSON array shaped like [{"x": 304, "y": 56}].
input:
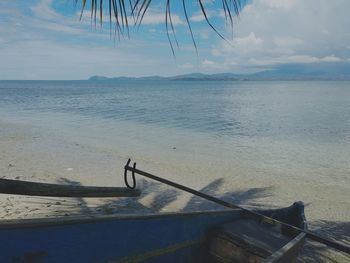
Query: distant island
[
  {"x": 328, "y": 71},
  {"x": 192, "y": 76}
]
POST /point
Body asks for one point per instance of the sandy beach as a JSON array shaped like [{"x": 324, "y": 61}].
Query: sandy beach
[
  {"x": 247, "y": 101},
  {"x": 29, "y": 153}
]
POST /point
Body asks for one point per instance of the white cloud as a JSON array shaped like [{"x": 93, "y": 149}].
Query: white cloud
[
  {"x": 204, "y": 34},
  {"x": 49, "y": 60},
  {"x": 287, "y": 42},
  {"x": 207, "y": 62},
  {"x": 207, "y": 65},
  {"x": 331, "y": 58},
  {"x": 44, "y": 10},
  {"x": 248, "y": 42},
  {"x": 47, "y": 44},
  {"x": 285, "y": 4},
  {"x": 45, "y": 17},
  {"x": 197, "y": 17},
  {"x": 43, "y": 44},
  {"x": 154, "y": 18},
  {"x": 289, "y": 31},
  {"x": 187, "y": 65}
]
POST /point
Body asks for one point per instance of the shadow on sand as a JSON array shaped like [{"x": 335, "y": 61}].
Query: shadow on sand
[
  {"x": 155, "y": 197},
  {"x": 316, "y": 252}
]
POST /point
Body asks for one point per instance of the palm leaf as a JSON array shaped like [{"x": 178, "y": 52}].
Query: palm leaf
[{"x": 120, "y": 12}]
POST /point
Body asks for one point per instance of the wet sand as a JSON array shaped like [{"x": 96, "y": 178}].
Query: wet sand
[{"x": 29, "y": 153}]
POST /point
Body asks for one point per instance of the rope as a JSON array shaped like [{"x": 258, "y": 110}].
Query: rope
[{"x": 133, "y": 186}]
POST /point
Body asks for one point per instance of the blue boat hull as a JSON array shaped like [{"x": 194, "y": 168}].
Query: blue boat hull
[{"x": 150, "y": 238}]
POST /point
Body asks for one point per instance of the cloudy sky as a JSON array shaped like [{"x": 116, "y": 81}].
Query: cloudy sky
[{"x": 44, "y": 39}]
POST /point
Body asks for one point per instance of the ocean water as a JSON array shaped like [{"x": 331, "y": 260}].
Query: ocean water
[
  {"x": 273, "y": 129},
  {"x": 250, "y": 143},
  {"x": 318, "y": 111}
]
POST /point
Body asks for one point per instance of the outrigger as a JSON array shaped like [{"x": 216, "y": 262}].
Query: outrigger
[{"x": 232, "y": 235}]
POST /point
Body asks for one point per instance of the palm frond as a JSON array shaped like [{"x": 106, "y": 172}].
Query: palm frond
[{"x": 120, "y": 12}]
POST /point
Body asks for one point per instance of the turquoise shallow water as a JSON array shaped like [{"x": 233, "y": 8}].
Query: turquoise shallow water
[
  {"x": 263, "y": 128},
  {"x": 318, "y": 111}
]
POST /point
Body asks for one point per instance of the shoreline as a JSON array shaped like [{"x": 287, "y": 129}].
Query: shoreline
[{"x": 30, "y": 153}]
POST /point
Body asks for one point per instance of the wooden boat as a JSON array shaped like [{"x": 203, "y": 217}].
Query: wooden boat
[
  {"x": 210, "y": 236},
  {"x": 234, "y": 235}
]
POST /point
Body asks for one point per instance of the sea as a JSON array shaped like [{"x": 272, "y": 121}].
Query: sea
[
  {"x": 275, "y": 130},
  {"x": 253, "y": 143}
]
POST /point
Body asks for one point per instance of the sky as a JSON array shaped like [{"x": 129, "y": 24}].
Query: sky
[{"x": 45, "y": 39}]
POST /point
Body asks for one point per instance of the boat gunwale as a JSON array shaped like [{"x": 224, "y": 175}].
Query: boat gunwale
[
  {"x": 279, "y": 254},
  {"x": 299, "y": 239},
  {"x": 87, "y": 219}
]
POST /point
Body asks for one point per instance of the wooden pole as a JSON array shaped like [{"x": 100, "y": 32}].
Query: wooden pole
[
  {"x": 337, "y": 245},
  {"x": 16, "y": 187}
]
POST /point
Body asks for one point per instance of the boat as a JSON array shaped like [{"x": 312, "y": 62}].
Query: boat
[
  {"x": 206, "y": 236},
  {"x": 237, "y": 234}
]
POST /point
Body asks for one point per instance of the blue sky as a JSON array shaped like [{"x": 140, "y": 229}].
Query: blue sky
[{"x": 44, "y": 39}]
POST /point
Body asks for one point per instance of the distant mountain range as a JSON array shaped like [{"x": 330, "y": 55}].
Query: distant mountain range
[
  {"x": 317, "y": 71},
  {"x": 192, "y": 76}
]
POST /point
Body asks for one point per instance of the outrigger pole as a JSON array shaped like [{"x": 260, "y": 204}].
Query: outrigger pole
[
  {"x": 17, "y": 187},
  {"x": 336, "y": 245}
]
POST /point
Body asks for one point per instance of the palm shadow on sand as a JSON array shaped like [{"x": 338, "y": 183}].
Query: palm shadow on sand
[
  {"x": 316, "y": 252},
  {"x": 160, "y": 197}
]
